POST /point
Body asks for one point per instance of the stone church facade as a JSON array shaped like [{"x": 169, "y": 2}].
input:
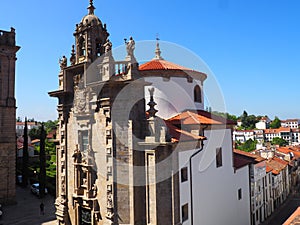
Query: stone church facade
[
  {"x": 109, "y": 145},
  {"x": 8, "y": 50}
]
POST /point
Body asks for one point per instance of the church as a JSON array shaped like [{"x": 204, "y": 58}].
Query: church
[
  {"x": 8, "y": 50},
  {"x": 128, "y": 154}
]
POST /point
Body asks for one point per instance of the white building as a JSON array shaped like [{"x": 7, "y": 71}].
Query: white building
[
  {"x": 263, "y": 123},
  {"x": 291, "y": 123},
  {"x": 214, "y": 192},
  {"x": 20, "y": 127},
  {"x": 282, "y": 132},
  {"x": 260, "y": 186},
  {"x": 245, "y": 135},
  {"x": 295, "y": 136},
  {"x": 280, "y": 180}
]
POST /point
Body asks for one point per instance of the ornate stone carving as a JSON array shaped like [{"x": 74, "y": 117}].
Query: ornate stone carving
[
  {"x": 107, "y": 46},
  {"x": 80, "y": 100},
  {"x": 63, "y": 62},
  {"x": 94, "y": 190},
  {"x": 130, "y": 46},
  {"x": 109, "y": 200},
  {"x": 77, "y": 155},
  {"x": 63, "y": 185}
]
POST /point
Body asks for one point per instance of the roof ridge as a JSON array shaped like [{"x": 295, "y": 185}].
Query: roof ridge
[{"x": 196, "y": 120}]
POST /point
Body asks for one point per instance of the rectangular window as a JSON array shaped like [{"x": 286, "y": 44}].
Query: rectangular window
[
  {"x": 83, "y": 140},
  {"x": 240, "y": 194},
  {"x": 185, "y": 212},
  {"x": 219, "y": 157},
  {"x": 184, "y": 174}
]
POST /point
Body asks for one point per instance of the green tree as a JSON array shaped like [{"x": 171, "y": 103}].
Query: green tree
[
  {"x": 42, "y": 175},
  {"x": 248, "y": 146},
  {"x": 34, "y": 133},
  {"x": 276, "y": 123},
  {"x": 25, "y": 158},
  {"x": 50, "y": 125},
  {"x": 244, "y": 117},
  {"x": 225, "y": 115},
  {"x": 279, "y": 141},
  {"x": 248, "y": 121}
]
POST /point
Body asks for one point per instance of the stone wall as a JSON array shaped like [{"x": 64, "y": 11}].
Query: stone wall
[{"x": 8, "y": 51}]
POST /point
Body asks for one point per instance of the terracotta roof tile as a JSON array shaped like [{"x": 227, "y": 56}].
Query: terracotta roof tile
[
  {"x": 191, "y": 117},
  {"x": 294, "y": 218},
  {"x": 178, "y": 134},
  {"x": 240, "y": 161},
  {"x": 257, "y": 158},
  {"x": 276, "y": 131},
  {"x": 159, "y": 64},
  {"x": 276, "y": 164}
]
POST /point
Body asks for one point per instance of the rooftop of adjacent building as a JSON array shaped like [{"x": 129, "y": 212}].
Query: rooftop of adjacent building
[
  {"x": 196, "y": 117},
  {"x": 294, "y": 219},
  {"x": 274, "y": 164}
]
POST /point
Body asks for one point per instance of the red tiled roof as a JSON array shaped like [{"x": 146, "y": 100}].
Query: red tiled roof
[
  {"x": 294, "y": 218},
  {"x": 276, "y": 131},
  {"x": 268, "y": 169},
  {"x": 290, "y": 120},
  {"x": 51, "y": 134},
  {"x": 240, "y": 161},
  {"x": 287, "y": 150},
  {"x": 159, "y": 64},
  {"x": 257, "y": 158},
  {"x": 190, "y": 117},
  {"x": 28, "y": 123},
  {"x": 178, "y": 134},
  {"x": 35, "y": 141},
  {"x": 276, "y": 164}
]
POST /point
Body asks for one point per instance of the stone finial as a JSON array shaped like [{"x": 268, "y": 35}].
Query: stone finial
[
  {"x": 91, "y": 8},
  {"x": 157, "y": 50},
  {"x": 73, "y": 58},
  {"x": 152, "y": 111}
]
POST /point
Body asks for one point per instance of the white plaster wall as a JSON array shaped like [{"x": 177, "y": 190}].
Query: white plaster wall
[
  {"x": 173, "y": 96},
  {"x": 261, "y": 125},
  {"x": 215, "y": 190}
]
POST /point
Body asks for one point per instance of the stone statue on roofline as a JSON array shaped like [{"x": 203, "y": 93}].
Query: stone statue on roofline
[
  {"x": 107, "y": 47},
  {"x": 130, "y": 46},
  {"x": 63, "y": 62}
]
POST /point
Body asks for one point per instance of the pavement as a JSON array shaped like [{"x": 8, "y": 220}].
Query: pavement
[{"x": 27, "y": 210}]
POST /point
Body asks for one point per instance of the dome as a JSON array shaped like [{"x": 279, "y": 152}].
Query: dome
[{"x": 88, "y": 19}]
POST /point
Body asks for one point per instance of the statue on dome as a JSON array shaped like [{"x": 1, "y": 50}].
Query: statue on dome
[
  {"x": 130, "y": 46},
  {"x": 63, "y": 62}
]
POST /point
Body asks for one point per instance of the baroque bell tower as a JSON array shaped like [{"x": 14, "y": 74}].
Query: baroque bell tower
[
  {"x": 101, "y": 114},
  {"x": 90, "y": 37}
]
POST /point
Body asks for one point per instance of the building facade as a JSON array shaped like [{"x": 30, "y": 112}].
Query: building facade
[
  {"x": 8, "y": 50},
  {"x": 120, "y": 163}
]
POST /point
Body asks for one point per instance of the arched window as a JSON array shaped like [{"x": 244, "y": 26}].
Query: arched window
[
  {"x": 81, "y": 43},
  {"x": 197, "y": 94}
]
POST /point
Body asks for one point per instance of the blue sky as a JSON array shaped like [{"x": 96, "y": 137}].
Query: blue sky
[{"x": 252, "y": 46}]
